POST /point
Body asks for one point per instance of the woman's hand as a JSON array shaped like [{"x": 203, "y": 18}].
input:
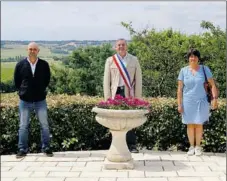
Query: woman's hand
[
  {"x": 180, "y": 109},
  {"x": 214, "y": 104},
  {"x": 179, "y": 96}
]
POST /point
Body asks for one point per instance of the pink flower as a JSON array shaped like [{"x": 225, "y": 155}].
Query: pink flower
[{"x": 120, "y": 102}]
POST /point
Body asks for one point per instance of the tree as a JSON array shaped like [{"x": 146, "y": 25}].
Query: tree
[
  {"x": 83, "y": 71},
  {"x": 162, "y": 54},
  {"x": 214, "y": 51}
]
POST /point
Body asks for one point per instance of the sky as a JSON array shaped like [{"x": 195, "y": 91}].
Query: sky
[{"x": 99, "y": 20}]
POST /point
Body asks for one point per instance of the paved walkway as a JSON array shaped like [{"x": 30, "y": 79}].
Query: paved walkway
[{"x": 87, "y": 166}]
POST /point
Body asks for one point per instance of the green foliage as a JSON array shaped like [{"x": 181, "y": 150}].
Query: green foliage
[
  {"x": 83, "y": 72},
  {"x": 12, "y": 59},
  {"x": 7, "y": 86},
  {"x": 161, "y": 55},
  {"x": 73, "y": 126},
  {"x": 213, "y": 47},
  {"x": 7, "y": 70}
]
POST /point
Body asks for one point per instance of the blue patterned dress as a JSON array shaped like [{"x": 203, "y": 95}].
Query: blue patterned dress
[{"x": 195, "y": 105}]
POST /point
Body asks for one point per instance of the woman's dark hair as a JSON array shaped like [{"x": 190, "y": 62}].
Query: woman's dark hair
[{"x": 193, "y": 51}]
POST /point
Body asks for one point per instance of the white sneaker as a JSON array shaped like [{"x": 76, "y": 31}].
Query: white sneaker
[
  {"x": 191, "y": 151},
  {"x": 198, "y": 151}
]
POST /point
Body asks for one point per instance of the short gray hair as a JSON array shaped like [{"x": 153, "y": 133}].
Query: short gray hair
[{"x": 121, "y": 39}]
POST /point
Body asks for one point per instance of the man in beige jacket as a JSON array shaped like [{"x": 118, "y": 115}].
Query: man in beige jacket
[{"x": 115, "y": 84}]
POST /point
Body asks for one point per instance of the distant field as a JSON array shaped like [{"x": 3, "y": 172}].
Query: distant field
[
  {"x": 17, "y": 50},
  {"x": 7, "y": 69},
  {"x": 13, "y": 50}
]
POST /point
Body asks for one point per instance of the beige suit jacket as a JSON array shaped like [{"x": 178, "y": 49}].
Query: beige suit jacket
[{"x": 112, "y": 76}]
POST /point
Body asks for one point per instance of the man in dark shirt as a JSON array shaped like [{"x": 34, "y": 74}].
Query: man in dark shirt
[{"x": 31, "y": 77}]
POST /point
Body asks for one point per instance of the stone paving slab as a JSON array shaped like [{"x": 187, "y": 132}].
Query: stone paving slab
[{"x": 88, "y": 166}]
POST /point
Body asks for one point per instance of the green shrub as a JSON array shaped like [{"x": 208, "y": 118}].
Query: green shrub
[{"x": 73, "y": 126}]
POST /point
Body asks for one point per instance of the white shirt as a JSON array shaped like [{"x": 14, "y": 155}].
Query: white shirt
[
  {"x": 121, "y": 80},
  {"x": 33, "y": 66}
]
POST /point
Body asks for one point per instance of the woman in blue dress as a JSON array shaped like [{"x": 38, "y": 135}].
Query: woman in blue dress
[{"x": 192, "y": 99}]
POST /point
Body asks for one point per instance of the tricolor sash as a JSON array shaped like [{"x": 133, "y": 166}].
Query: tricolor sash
[{"x": 123, "y": 71}]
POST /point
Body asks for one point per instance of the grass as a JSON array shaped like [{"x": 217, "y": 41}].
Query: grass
[{"x": 7, "y": 70}]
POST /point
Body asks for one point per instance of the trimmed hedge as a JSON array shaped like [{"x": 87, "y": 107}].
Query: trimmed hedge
[{"x": 73, "y": 126}]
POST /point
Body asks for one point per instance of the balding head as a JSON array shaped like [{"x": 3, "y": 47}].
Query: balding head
[
  {"x": 33, "y": 50},
  {"x": 33, "y": 45}
]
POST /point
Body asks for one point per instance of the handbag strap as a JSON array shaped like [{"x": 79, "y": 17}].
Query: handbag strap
[{"x": 205, "y": 75}]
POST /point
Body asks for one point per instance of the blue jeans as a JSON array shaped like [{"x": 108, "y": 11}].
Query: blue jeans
[{"x": 40, "y": 108}]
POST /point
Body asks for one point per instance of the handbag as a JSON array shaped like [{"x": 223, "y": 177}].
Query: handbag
[{"x": 207, "y": 87}]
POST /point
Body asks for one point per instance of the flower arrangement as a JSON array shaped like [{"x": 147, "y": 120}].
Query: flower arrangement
[{"x": 121, "y": 103}]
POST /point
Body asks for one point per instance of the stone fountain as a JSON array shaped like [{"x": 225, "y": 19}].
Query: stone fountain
[{"x": 119, "y": 122}]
